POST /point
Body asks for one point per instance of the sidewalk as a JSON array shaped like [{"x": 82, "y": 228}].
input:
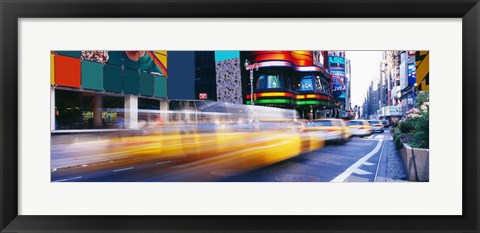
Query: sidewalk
[{"x": 391, "y": 168}]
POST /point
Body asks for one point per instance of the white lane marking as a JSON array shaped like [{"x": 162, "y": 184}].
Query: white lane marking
[
  {"x": 367, "y": 139},
  {"x": 62, "y": 180},
  {"x": 123, "y": 169},
  {"x": 358, "y": 143},
  {"x": 378, "y": 164},
  {"x": 379, "y": 136},
  {"x": 368, "y": 164},
  {"x": 351, "y": 169},
  {"x": 361, "y": 172},
  {"x": 162, "y": 162}
]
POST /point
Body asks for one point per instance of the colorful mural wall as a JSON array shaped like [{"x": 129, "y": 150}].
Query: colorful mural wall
[
  {"x": 228, "y": 77},
  {"x": 141, "y": 73}
]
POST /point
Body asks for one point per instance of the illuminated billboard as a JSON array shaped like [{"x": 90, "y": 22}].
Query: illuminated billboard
[
  {"x": 336, "y": 67},
  {"x": 412, "y": 74},
  {"x": 336, "y": 63},
  {"x": 339, "y": 86}
]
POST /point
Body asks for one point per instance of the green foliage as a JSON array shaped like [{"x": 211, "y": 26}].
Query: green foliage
[
  {"x": 422, "y": 97},
  {"x": 394, "y": 132},
  {"x": 407, "y": 126},
  {"x": 395, "y": 125},
  {"x": 398, "y": 140},
  {"x": 421, "y": 135},
  {"x": 414, "y": 130}
]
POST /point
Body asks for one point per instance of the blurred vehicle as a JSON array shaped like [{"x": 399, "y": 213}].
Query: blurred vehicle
[
  {"x": 386, "y": 123},
  {"x": 377, "y": 126},
  {"x": 331, "y": 129},
  {"x": 295, "y": 126},
  {"x": 359, "y": 128},
  {"x": 247, "y": 126}
]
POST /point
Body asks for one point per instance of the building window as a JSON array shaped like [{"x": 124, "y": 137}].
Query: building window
[
  {"x": 306, "y": 83},
  {"x": 85, "y": 110},
  {"x": 269, "y": 81},
  {"x": 68, "y": 114},
  {"x": 148, "y": 110}
]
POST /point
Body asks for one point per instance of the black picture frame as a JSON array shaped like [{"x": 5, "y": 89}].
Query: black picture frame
[{"x": 11, "y": 11}]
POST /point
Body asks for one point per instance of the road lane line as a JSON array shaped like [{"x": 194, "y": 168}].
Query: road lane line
[
  {"x": 162, "y": 162},
  {"x": 361, "y": 172},
  {"x": 74, "y": 178},
  {"x": 378, "y": 164},
  {"x": 368, "y": 164},
  {"x": 123, "y": 169},
  {"x": 353, "y": 168}
]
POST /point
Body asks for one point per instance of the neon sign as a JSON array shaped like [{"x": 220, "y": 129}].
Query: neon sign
[{"x": 339, "y": 60}]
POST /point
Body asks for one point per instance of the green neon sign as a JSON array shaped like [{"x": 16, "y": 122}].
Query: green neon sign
[
  {"x": 271, "y": 101},
  {"x": 307, "y": 102}
]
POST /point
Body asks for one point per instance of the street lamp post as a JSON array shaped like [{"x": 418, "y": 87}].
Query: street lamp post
[
  {"x": 415, "y": 95},
  {"x": 250, "y": 67}
]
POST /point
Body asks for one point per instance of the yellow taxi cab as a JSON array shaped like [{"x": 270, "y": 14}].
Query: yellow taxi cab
[
  {"x": 331, "y": 129},
  {"x": 359, "y": 128},
  {"x": 377, "y": 126},
  {"x": 295, "y": 126}
]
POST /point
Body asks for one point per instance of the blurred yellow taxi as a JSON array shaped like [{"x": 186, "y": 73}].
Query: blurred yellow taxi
[
  {"x": 331, "y": 129},
  {"x": 377, "y": 126},
  {"x": 295, "y": 126},
  {"x": 359, "y": 128}
]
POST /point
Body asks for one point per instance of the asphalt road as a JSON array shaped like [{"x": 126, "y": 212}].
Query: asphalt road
[{"x": 354, "y": 161}]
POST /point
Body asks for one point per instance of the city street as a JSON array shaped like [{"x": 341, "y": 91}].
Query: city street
[{"x": 369, "y": 159}]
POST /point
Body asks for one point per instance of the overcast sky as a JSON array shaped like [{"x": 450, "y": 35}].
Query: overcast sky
[{"x": 365, "y": 66}]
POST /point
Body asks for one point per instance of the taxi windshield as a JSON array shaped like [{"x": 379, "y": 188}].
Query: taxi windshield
[
  {"x": 321, "y": 123},
  {"x": 354, "y": 123}
]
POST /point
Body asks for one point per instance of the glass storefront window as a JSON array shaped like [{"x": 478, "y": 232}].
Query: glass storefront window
[
  {"x": 67, "y": 110},
  {"x": 147, "y": 116},
  {"x": 112, "y": 112},
  {"x": 77, "y": 110}
]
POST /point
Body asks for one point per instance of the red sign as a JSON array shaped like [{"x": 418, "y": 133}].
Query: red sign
[
  {"x": 411, "y": 53},
  {"x": 202, "y": 96}
]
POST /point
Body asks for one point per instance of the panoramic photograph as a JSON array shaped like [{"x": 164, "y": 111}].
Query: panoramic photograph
[{"x": 239, "y": 116}]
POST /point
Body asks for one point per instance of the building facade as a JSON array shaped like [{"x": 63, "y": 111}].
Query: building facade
[
  {"x": 106, "y": 89},
  {"x": 297, "y": 80},
  {"x": 408, "y": 80}
]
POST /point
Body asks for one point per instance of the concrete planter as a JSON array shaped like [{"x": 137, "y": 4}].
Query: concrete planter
[{"x": 416, "y": 163}]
